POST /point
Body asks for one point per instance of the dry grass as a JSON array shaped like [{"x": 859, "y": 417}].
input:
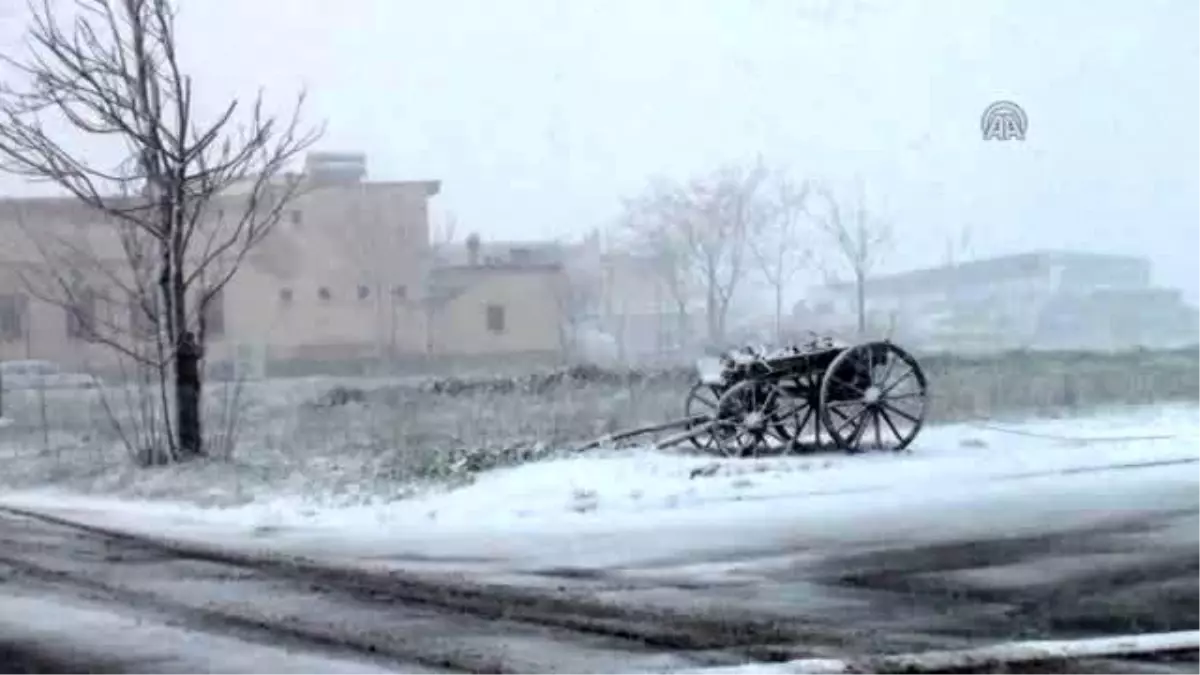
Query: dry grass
[{"x": 350, "y": 440}]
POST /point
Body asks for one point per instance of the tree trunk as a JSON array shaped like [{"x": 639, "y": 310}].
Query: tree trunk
[
  {"x": 712, "y": 311},
  {"x": 187, "y": 385},
  {"x": 779, "y": 315},
  {"x": 860, "y": 287},
  {"x": 187, "y": 406},
  {"x": 187, "y": 351}
]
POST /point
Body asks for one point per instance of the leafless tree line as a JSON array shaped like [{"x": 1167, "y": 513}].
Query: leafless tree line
[
  {"x": 101, "y": 108},
  {"x": 711, "y": 235}
]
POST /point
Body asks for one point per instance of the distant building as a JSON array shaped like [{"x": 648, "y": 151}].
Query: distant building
[
  {"x": 1041, "y": 299},
  {"x": 607, "y": 304},
  {"x": 350, "y": 272},
  {"x": 342, "y": 274},
  {"x": 497, "y": 308}
]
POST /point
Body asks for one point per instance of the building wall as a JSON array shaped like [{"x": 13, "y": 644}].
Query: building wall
[
  {"x": 331, "y": 241},
  {"x": 61, "y": 229},
  {"x": 525, "y": 297},
  {"x": 1001, "y": 301},
  {"x": 348, "y": 273},
  {"x": 41, "y": 327},
  {"x": 38, "y": 328},
  {"x": 342, "y": 275}
]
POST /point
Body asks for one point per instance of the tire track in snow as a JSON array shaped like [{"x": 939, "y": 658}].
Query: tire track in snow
[{"x": 437, "y": 623}]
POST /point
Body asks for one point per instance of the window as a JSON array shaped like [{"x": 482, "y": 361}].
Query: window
[
  {"x": 363, "y": 292},
  {"x": 323, "y": 293},
  {"x": 13, "y": 309},
  {"x": 295, "y": 216},
  {"x": 400, "y": 292},
  {"x": 495, "y": 318},
  {"x": 81, "y": 315},
  {"x": 285, "y": 296},
  {"x": 214, "y": 315}
]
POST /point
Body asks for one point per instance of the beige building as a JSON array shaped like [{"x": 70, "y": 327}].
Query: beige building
[
  {"x": 347, "y": 273},
  {"x": 500, "y": 297},
  {"x": 496, "y": 308}
]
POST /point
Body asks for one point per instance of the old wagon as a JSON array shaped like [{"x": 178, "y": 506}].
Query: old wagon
[{"x": 857, "y": 397}]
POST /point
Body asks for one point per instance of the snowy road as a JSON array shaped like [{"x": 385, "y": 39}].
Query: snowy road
[
  {"x": 974, "y": 538},
  {"x": 81, "y": 599}
]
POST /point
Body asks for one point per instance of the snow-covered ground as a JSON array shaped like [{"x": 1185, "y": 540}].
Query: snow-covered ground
[
  {"x": 614, "y": 507},
  {"x": 641, "y": 512}
]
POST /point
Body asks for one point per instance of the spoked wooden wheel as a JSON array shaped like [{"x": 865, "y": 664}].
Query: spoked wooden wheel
[
  {"x": 752, "y": 417},
  {"x": 803, "y": 424},
  {"x": 873, "y": 396},
  {"x": 700, "y": 409}
]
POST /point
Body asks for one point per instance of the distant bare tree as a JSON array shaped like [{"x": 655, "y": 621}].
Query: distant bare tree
[
  {"x": 186, "y": 198},
  {"x": 443, "y": 234},
  {"x": 575, "y": 297},
  {"x": 860, "y": 239},
  {"x": 958, "y": 246},
  {"x": 781, "y": 243},
  {"x": 697, "y": 232}
]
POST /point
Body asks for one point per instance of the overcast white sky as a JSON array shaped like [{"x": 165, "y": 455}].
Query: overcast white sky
[{"x": 539, "y": 115}]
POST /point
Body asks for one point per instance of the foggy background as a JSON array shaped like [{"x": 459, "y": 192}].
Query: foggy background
[{"x": 540, "y": 115}]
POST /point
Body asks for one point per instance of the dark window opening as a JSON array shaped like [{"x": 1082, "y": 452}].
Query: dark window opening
[
  {"x": 13, "y": 310},
  {"x": 81, "y": 316},
  {"x": 323, "y": 293},
  {"x": 400, "y": 292},
  {"x": 285, "y": 295},
  {"x": 495, "y": 318},
  {"x": 363, "y": 292}
]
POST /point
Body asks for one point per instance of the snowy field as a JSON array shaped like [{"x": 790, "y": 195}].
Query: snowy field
[
  {"x": 351, "y": 482},
  {"x": 353, "y": 441},
  {"x": 302, "y": 436},
  {"x": 389, "y": 471},
  {"x": 612, "y": 507}
]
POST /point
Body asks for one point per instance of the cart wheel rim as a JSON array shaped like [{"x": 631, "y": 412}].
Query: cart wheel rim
[
  {"x": 873, "y": 395},
  {"x": 750, "y": 420},
  {"x": 699, "y": 408}
]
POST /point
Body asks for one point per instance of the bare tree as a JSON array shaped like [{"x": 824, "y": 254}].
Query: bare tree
[
  {"x": 186, "y": 198},
  {"x": 780, "y": 244},
  {"x": 697, "y": 232},
  {"x": 574, "y": 296},
  {"x": 578, "y": 291},
  {"x": 860, "y": 240},
  {"x": 443, "y": 234}
]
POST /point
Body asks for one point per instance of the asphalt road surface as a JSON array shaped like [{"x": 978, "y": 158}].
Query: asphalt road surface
[
  {"x": 1098, "y": 552},
  {"x": 1073, "y": 555},
  {"x": 390, "y": 620}
]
